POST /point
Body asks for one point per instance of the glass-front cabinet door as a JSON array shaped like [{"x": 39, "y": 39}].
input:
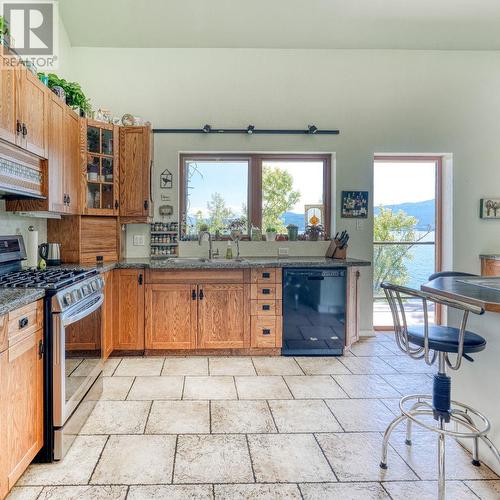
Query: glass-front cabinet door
[{"x": 100, "y": 167}]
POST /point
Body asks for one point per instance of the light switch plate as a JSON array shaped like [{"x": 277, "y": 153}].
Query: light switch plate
[{"x": 139, "y": 240}]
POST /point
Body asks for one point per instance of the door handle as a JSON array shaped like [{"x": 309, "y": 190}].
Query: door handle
[
  {"x": 25, "y": 130},
  {"x": 19, "y": 128},
  {"x": 146, "y": 204},
  {"x": 266, "y": 291},
  {"x": 201, "y": 294},
  {"x": 266, "y": 307},
  {"x": 266, "y": 275},
  {"x": 315, "y": 278},
  {"x": 140, "y": 279},
  {"x": 193, "y": 294},
  {"x": 69, "y": 199},
  {"x": 116, "y": 205},
  {"x": 23, "y": 323},
  {"x": 266, "y": 331},
  {"x": 41, "y": 349}
]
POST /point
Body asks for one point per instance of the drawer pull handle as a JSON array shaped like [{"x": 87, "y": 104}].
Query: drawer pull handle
[
  {"x": 266, "y": 331},
  {"x": 266, "y": 291},
  {"x": 23, "y": 323},
  {"x": 193, "y": 294},
  {"x": 266, "y": 275},
  {"x": 266, "y": 307}
]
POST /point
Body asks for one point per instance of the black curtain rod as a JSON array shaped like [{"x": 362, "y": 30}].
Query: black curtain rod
[{"x": 250, "y": 130}]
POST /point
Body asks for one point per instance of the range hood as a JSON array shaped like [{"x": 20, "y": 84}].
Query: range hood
[{"x": 20, "y": 180}]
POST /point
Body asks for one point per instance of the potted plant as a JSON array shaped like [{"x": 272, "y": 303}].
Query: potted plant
[
  {"x": 270, "y": 233},
  {"x": 72, "y": 92},
  {"x": 314, "y": 232},
  {"x": 293, "y": 232},
  {"x": 4, "y": 32}
]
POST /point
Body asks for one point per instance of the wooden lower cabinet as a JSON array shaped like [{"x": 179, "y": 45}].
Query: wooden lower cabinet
[
  {"x": 108, "y": 315},
  {"x": 171, "y": 316},
  {"x": 128, "y": 306},
  {"x": 490, "y": 267},
  {"x": 222, "y": 317},
  {"x": 21, "y": 408}
]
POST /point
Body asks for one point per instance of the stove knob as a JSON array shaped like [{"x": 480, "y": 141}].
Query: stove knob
[
  {"x": 95, "y": 285},
  {"x": 67, "y": 299},
  {"x": 75, "y": 295},
  {"x": 85, "y": 290}
]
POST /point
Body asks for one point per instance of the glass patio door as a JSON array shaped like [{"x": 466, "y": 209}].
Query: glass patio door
[{"x": 407, "y": 226}]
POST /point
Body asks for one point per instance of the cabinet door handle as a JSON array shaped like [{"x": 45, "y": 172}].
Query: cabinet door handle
[
  {"x": 25, "y": 130},
  {"x": 140, "y": 279},
  {"x": 201, "y": 294},
  {"x": 146, "y": 204},
  {"x": 266, "y": 331},
  {"x": 19, "y": 127},
  {"x": 41, "y": 349},
  {"x": 116, "y": 205},
  {"x": 266, "y": 275},
  {"x": 23, "y": 323},
  {"x": 266, "y": 291},
  {"x": 69, "y": 199},
  {"x": 266, "y": 307},
  {"x": 193, "y": 294}
]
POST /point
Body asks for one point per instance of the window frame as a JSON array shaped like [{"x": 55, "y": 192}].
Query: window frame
[{"x": 254, "y": 194}]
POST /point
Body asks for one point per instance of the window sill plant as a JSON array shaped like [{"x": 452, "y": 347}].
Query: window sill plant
[{"x": 270, "y": 233}]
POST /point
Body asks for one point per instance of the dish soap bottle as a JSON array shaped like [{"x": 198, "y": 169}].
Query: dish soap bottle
[{"x": 229, "y": 251}]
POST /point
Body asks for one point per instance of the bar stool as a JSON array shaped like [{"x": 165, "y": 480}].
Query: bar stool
[{"x": 437, "y": 343}]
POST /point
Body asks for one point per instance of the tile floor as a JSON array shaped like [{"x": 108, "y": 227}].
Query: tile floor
[{"x": 246, "y": 428}]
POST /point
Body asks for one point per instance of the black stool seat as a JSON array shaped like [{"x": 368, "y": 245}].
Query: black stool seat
[{"x": 445, "y": 339}]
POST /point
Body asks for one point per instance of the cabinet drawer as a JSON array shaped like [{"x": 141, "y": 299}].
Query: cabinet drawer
[
  {"x": 266, "y": 275},
  {"x": 260, "y": 291},
  {"x": 24, "y": 321},
  {"x": 266, "y": 331},
  {"x": 265, "y": 308}
]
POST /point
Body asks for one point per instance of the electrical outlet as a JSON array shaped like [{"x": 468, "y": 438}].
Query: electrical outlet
[
  {"x": 139, "y": 240},
  {"x": 282, "y": 252}
]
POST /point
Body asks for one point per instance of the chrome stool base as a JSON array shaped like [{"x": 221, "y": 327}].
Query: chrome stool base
[{"x": 460, "y": 414}]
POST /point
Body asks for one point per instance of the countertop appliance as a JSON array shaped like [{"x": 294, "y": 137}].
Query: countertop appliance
[
  {"x": 314, "y": 305},
  {"x": 73, "y": 354},
  {"x": 51, "y": 253}
]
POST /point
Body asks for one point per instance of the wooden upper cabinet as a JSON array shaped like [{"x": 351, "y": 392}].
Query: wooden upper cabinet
[
  {"x": 7, "y": 102},
  {"x": 99, "y": 168},
  {"x": 56, "y": 122},
  {"x": 72, "y": 161},
  {"x": 128, "y": 285},
  {"x": 171, "y": 316},
  {"x": 32, "y": 112},
  {"x": 223, "y": 317},
  {"x": 135, "y": 172}
]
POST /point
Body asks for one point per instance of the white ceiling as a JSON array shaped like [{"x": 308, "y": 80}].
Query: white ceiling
[{"x": 308, "y": 24}]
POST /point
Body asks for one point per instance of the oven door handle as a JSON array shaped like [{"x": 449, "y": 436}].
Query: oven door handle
[{"x": 83, "y": 310}]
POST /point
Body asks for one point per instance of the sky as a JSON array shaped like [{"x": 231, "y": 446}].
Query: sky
[
  {"x": 395, "y": 183},
  {"x": 231, "y": 180}
]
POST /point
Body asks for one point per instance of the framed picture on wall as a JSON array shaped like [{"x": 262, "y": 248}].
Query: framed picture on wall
[
  {"x": 166, "y": 179},
  {"x": 354, "y": 204},
  {"x": 489, "y": 208}
]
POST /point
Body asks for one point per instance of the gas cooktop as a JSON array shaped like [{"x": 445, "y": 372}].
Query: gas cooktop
[{"x": 51, "y": 279}]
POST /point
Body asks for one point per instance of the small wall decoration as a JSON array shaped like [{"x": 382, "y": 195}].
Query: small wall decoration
[
  {"x": 166, "y": 179},
  {"x": 489, "y": 208},
  {"x": 355, "y": 204}
]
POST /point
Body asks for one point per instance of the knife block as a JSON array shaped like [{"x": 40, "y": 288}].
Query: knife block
[{"x": 335, "y": 252}]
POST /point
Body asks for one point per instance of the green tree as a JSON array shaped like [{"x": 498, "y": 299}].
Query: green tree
[
  {"x": 199, "y": 221},
  {"x": 218, "y": 213},
  {"x": 389, "y": 260},
  {"x": 277, "y": 197}
]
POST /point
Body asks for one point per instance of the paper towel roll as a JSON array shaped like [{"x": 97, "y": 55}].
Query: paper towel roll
[{"x": 32, "y": 247}]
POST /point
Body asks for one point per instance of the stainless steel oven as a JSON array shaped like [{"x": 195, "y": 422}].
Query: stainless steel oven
[{"x": 77, "y": 357}]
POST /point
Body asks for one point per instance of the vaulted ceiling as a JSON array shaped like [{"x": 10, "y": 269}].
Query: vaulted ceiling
[{"x": 307, "y": 24}]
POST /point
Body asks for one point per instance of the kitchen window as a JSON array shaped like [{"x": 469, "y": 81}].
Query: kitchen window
[{"x": 260, "y": 191}]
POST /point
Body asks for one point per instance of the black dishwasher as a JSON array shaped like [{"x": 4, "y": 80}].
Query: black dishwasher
[{"x": 314, "y": 302}]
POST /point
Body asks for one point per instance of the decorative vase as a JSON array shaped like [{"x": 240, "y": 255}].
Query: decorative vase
[{"x": 270, "y": 236}]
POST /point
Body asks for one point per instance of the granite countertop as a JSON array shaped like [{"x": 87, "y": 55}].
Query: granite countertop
[
  {"x": 245, "y": 263},
  {"x": 14, "y": 298},
  {"x": 480, "y": 291}
]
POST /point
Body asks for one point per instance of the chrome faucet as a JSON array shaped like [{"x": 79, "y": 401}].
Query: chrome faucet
[{"x": 200, "y": 239}]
